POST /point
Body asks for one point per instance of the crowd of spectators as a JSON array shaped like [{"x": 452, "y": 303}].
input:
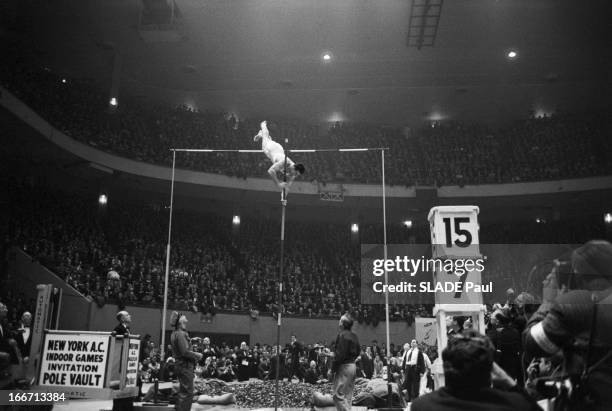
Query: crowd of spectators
[
  {"x": 116, "y": 254},
  {"x": 442, "y": 153}
]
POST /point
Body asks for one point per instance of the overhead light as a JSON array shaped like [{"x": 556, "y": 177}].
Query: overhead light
[
  {"x": 354, "y": 228},
  {"x": 102, "y": 199},
  {"x": 407, "y": 223},
  {"x": 64, "y": 80},
  {"x": 540, "y": 220},
  {"x": 542, "y": 113},
  {"x": 326, "y": 56},
  {"x": 512, "y": 54},
  {"x": 113, "y": 102},
  {"x": 236, "y": 220},
  {"x": 608, "y": 218}
]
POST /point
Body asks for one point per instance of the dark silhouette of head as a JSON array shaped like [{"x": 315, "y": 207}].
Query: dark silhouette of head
[
  {"x": 299, "y": 167},
  {"x": 346, "y": 322},
  {"x": 468, "y": 361}
]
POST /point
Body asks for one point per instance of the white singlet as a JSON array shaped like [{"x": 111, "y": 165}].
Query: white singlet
[{"x": 273, "y": 150}]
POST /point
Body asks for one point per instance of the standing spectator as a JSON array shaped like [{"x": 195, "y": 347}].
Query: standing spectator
[
  {"x": 144, "y": 348},
  {"x": 24, "y": 335},
  {"x": 8, "y": 347},
  {"x": 413, "y": 365},
  {"x": 378, "y": 366},
  {"x": 277, "y": 360},
  {"x": 185, "y": 361},
  {"x": 507, "y": 344},
  {"x": 343, "y": 367},
  {"x": 425, "y": 380},
  {"x": 122, "y": 329},
  {"x": 295, "y": 348},
  {"x": 244, "y": 359},
  {"x": 367, "y": 363}
]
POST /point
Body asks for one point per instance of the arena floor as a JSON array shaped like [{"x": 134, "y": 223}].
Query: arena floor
[{"x": 107, "y": 405}]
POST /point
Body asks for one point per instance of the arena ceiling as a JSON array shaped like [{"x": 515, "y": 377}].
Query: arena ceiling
[{"x": 261, "y": 58}]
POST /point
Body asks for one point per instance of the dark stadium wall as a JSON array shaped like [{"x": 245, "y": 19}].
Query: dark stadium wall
[
  {"x": 261, "y": 330},
  {"x": 75, "y": 307}
]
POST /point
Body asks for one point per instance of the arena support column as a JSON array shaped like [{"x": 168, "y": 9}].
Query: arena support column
[{"x": 165, "y": 308}]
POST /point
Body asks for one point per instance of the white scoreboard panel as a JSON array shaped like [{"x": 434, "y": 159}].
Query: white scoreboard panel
[{"x": 454, "y": 236}]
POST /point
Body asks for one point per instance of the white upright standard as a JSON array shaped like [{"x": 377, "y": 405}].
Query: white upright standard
[{"x": 454, "y": 235}]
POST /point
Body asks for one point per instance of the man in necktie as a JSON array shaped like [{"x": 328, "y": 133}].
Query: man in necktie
[
  {"x": 413, "y": 365},
  {"x": 24, "y": 334}
]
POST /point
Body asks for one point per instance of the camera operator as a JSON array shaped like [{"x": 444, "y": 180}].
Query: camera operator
[{"x": 578, "y": 324}]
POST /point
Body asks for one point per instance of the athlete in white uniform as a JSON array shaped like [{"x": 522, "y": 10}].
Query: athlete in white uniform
[{"x": 276, "y": 154}]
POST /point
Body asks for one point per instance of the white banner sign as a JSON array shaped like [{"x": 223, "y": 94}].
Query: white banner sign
[
  {"x": 132, "y": 365},
  {"x": 74, "y": 360},
  {"x": 425, "y": 331}
]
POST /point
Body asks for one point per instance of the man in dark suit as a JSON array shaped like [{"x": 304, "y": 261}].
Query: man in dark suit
[
  {"x": 244, "y": 359},
  {"x": 413, "y": 365},
  {"x": 367, "y": 363},
  {"x": 24, "y": 335},
  {"x": 296, "y": 348},
  {"x": 123, "y": 328}
]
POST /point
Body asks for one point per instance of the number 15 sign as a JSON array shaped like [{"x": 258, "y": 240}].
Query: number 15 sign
[{"x": 454, "y": 237}]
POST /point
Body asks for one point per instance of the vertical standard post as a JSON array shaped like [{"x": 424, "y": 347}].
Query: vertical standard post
[
  {"x": 384, "y": 205},
  {"x": 165, "y": 308},
  {"x": 280, "y": 283}
]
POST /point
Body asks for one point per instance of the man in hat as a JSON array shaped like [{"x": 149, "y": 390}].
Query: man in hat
[{"x": 577, "y": 323}]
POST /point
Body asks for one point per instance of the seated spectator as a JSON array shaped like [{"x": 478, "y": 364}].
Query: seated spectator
[{"x": 312, "y": 374}]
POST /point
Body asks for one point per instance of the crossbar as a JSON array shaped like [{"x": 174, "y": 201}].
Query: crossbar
[{"x": 308, "y": 150}]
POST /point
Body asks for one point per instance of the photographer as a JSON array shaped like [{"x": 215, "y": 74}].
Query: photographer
[
  {"x": 263, "y": 369},
  {"x": 578, "y": 324},
  {"x": 225, "y": 370},
  {"x": 210, "y": 368},
  {"x": 469, "y": 372}
]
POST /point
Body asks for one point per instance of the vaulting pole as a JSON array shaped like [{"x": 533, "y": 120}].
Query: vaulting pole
[
  {"x": 280, "y": 281},
  {"x": 163, "y": 327}
]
